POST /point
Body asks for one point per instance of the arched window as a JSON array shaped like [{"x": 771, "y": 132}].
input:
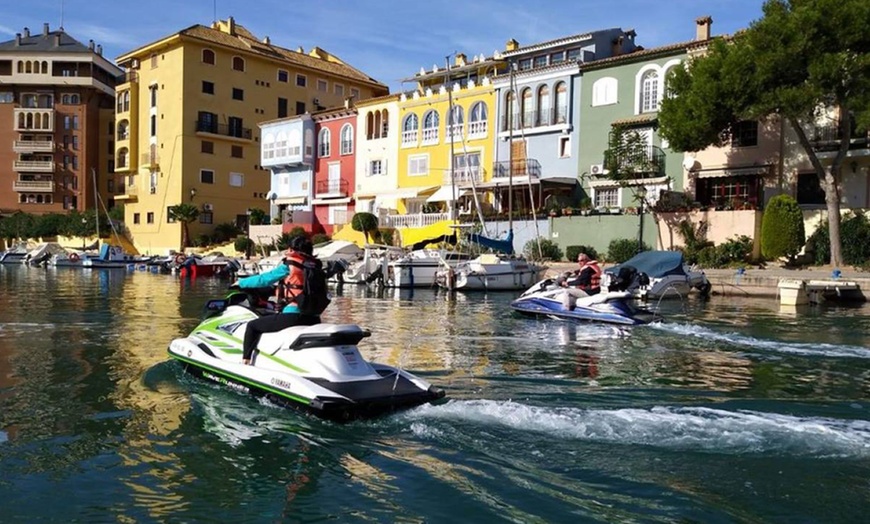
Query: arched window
[
  {"x": 74, "y": 99},
  {"x": 385, "y": 123},
  {"x": 346, "y": 139},
  {"x": 282, "y": 149},
  {"x": 123, "y": 157},
  {"x": 526, "y": 107},
  {"x": 64, "y": 99},
  {"x": 323, "y": 143},
  {"x": 28, "y": 67},
  {"x": 126, "y": 100},
  {"x": 45, "y": 68},
  {"x": 20, "y": 66},
  {"x": 510, "y": 112},
  {"x": 238, "y": 63},
  {"x": 123, "y": 130},
  {"x": 604, "y": 91},
  {"x": 477, "y": 119},
  {"x": 455, "y": 122},
  {"x": 370, "y": 125},
  {"x": 409, "y": 129},
  {"x": 208, "y": 56},
  {"x": 268, "y": 146},
  {"x": 545, "y": 117},
  {"x": 430, "y": 127},
  {"x": 561, "y": 103},
  {"x": 376, "y": 130},
  {"x": 46, "y": 120},
  {"x": 649, "y": 92}
]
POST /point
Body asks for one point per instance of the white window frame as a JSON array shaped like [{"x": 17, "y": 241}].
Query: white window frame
[
  {"x": 418, "y": 165},
  {"x": 611, "y": 193},
  {"x": 564, "y": 146},
  {"x": 323, "y": 143},
  {"x": 604, "y": 91},
  {"x": 303, "y": 79},
  {"x": 237, "y": 177},
  {"x": 346, "y": 129},
  {"x": 376, "y": 168}
]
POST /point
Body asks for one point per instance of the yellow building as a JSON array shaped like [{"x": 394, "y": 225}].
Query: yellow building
[
  {"x": 186, "y": 124},
  {"x": 430, "y": 136}
]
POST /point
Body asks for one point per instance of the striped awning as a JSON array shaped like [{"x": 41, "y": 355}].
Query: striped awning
[{"x": 735, "y": 171}]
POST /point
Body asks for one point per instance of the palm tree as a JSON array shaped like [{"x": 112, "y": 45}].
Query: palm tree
[{"x": 184, "y": 213}]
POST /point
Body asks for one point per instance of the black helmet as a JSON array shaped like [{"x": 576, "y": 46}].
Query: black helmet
[{"x": 302, "y": 244}]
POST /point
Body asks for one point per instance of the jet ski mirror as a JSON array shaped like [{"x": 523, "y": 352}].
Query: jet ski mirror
[{"x": 215, "y": 307}]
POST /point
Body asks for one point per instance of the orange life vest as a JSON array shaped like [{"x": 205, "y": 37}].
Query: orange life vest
[{"x": 595, "y": 279}]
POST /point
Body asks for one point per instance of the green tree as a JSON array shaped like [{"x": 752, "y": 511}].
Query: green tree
[
  {"x": 259, "y": 217},
  {"x": 782, "y": 229},
  {"x": 365, "y": 223},
  {"x": 801, "y": 57},
  {"x": 184, "y": 213}
]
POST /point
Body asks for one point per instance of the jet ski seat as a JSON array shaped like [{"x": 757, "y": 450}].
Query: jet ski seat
[{"x": 318, "y": 335}]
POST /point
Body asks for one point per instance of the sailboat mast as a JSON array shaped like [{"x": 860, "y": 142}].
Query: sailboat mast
[
  {"x": 450, "y": 126},
  {"x": 513, "y": 98},
  {"x": 96, "y": 204}
]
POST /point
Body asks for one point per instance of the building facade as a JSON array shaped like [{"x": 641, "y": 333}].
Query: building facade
[
  {"x": 334, "y": 167},
  {"x": 56, "y": 123},
  {"x": 288, "y": 153},
  {"x": 376, "y": 156},
  {"x": 186, "y": 124},
  {"x": 539, "y": 113}
]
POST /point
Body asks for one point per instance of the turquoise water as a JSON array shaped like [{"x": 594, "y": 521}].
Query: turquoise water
[{"x": 730, "y": 411}]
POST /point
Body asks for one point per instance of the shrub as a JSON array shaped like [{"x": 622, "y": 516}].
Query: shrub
[
  {"x": 782, "y": 229},
  {"x": 320, "y": 238},
  {"x": 547, "y": 251},
  {"x": 571, "y": 252},
  {"x": 855, "y": 237},
  {"x": 621, "y": 249},
  {"x": 695, "y": 239},
  {"x": 202, "y": 241},
  {"x": 298, "y": 231},
  {"x": 225, "y": 231},
  {"x": 735, "y": 251},
  {"x": 243, "y": 244}
]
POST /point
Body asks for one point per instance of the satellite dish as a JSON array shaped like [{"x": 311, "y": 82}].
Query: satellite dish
[
  {"x": 271, "y": 195},
  {"x": 689, "y": 163}
]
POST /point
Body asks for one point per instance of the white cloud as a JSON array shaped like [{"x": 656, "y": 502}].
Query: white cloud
[{"x": 7, "y": 30}]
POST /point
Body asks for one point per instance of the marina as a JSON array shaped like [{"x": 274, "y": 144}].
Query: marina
[{"x": 729, "y": 410}]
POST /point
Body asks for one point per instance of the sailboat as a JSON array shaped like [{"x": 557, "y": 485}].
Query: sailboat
[{"x": 500, "y": 270}]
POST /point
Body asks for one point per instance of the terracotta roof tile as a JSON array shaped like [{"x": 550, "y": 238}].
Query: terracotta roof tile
[{"x": 641, "y": 53}]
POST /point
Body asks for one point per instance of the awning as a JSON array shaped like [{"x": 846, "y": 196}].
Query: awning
[
  {"x": 736, "y": 171},
  {"x": 294, "y": 200},
  {"x": 405, "y": 192},
  {"x": 502, "y": 183},
  {"x": 445, "y": 194},
  {"x": 329, "y": 201}
]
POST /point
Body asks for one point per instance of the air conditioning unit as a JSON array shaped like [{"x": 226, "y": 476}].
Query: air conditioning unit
[
  {"x": 597, "y": 169},
  {"x": 208, "y": 207},
  {"x": 316, "y": 101}
]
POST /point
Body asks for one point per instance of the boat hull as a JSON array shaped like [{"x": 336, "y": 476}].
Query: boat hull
[{"x": 615, "y": 307}]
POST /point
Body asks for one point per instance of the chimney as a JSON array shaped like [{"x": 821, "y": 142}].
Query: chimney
[
  {"x": 91, "y": 45},
  {"x": 17, "y": 39},
  {"x": 231, "y": 26},
  {"x": 617, "y": 45},
  {"x": 100, "y": 49},
  {"x": 26, "y": 32},
  {"x": 460, "y": 59},
  {"x": 300, "y": 50},
  {"x": 267, "y": 40},
  {"x": 511, "y": 45},
  {"x": 348, "y": 102},
  {"x": 702, "y": 31},
  {"x": 45, "y": 29},
  {"x": 57, "y": 40}
]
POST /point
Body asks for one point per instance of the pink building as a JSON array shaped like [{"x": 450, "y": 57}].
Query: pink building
[{"x": 334, "y": 171}]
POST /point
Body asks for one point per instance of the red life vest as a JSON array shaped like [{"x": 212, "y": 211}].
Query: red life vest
[{"x": 595, "y": 279}]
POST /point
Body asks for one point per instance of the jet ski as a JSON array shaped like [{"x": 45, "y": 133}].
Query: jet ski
[
  {"x": 546, "y": 298},
  {"x": 317, "y": 368}
]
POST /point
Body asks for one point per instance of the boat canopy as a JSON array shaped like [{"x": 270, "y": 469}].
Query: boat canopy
[
  {"x": 655, "y": 264},
  {"x": 505, "y": 246}
]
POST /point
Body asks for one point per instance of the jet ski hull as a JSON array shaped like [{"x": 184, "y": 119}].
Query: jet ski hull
[
  {"x": 546, "y": 299},
  {"x": 317, "y": 369}
]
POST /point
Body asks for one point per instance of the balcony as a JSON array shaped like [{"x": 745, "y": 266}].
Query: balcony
[
  {"x": 33, "y": 166},
  {"x": 528, "y": 167},
  {"x": 415, "y": 220},
  {"x": 34, "y": 120},
  {"x": 463, "y": 176},
  {"x": 150, "y": 160},
  {"x": 633, "y": 163},
  {"x": 477, "y": 129},
  {"x": 334, "y": 188},
  {"x": 551, "y": 116},
  {"x": 127, "y": 193},
  {"x": 130, "y": 77},
  {"x": 33, "y": 146},
  {"x": 33, "y": 186},
  {"x": 224, "y": 130},
  {"x": 828, "y": 138}
]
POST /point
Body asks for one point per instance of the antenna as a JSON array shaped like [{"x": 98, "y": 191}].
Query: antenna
[
  {"x": 61, "y": 15},
  {"x": 214, "y": 11}
]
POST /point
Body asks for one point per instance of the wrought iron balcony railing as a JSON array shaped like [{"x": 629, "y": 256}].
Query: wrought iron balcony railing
[
  {"x": 636, "y": 162},
  {"x": 330, "y": 187},
  {"x": 528, "y": 167},
  {"x": 235, "y": 131},
  {"x": 828, "y": 138}
]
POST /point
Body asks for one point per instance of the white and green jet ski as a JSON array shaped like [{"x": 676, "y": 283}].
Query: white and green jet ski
[{"x": 315, "y": 368}]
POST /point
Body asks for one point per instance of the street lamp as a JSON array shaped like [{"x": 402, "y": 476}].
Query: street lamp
[
  {"x": 248, "y": 234},
  {"x": 641, "y": 195}
]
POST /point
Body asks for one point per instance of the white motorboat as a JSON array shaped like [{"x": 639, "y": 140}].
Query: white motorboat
[
  {"x": 419, "y": 268},
  {"x": 491, "y": 272}
]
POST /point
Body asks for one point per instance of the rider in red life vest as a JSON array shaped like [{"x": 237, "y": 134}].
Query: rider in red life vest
[
  {"x": 586, "y": 281},
  {"x": 293, "y": 279}
]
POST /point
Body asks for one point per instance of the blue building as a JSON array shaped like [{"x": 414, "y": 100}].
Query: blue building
[{"x": 287, "y": 150}]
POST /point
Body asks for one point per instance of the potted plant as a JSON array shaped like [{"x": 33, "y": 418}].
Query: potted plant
[{"x": 567, "y": 211}]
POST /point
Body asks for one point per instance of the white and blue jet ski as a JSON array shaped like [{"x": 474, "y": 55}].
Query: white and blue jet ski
[
  {"x": 317, "y": 368},
  {"x": 547, "y": 298}
]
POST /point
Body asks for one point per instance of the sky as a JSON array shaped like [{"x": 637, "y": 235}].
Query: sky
[{"x": 387, "y": 39}]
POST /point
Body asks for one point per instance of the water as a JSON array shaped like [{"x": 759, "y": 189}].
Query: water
[{"x": 731, "y": 411}]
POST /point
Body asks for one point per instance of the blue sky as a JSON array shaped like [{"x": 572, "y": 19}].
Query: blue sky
[{"x": 387, "y": 39}]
